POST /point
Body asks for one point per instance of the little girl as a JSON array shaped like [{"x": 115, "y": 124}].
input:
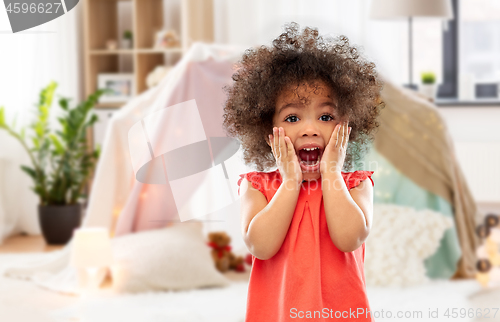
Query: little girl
[{"x": 296, "y": 105}]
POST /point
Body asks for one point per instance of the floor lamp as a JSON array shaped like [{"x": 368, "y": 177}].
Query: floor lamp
[{"x": 396, "y": 9}]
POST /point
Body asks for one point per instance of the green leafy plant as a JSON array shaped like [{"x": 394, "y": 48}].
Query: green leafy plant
[
  {"x": 127, "y": 34},
  {"x": 61, "y": 161},
  {"x": 428, "y": 78}
]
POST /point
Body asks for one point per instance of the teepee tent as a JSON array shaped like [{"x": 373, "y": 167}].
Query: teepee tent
[
  {"x": 133, "y": 191},
  {"x": 417, "y": 167}
]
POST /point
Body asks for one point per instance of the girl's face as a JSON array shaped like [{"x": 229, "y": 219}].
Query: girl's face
[{"x": 308, "y": 119}]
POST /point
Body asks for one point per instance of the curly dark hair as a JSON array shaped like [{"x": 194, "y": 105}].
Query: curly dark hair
[{"x": 264, "y": 72}]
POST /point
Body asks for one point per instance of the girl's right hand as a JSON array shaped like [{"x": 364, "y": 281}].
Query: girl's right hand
[{"x": 286, "y": 158}]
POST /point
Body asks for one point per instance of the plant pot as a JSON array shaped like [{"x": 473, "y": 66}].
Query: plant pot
[
  {"x": 429, "y": 90},
  {"x": 58, "y": 222},
  {"x": 126, "y": 43}
]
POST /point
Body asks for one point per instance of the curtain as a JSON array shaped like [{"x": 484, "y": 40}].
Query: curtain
[
  {"x": 29, "y": 60},
  {"x": 258, "y": 22}
]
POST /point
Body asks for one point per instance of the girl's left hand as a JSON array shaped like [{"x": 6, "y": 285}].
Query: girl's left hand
[{"x": 333, "y": 156}]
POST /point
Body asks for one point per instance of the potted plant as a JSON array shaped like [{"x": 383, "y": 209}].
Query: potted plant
[
  {"x": 61, "y": 162},
  {"x": 429, "y": 86},
  {"x": 127, "y": 39}
]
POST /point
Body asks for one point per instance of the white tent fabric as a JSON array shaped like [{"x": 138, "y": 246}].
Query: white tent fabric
[{"x": 122, "y": 203}]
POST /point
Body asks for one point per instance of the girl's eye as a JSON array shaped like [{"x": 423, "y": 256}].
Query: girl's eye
[
  {"x": 291, "y": 116},
  {"x": 329, "y": 117},
  {"x": 295, "y": 118}
]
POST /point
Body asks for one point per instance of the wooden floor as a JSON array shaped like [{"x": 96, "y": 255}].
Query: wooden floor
[{"x": 26, "y": 244}]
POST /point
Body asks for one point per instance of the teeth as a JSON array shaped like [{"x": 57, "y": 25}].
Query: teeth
[
  {"x": 310, "y": 149},
  {"x": 309, "y": 165}
]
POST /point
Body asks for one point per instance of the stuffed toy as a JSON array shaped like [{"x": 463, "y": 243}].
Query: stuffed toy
[
  {"x": 224, "y": 259},
  {"x": 166, "y": 39},
  {"x": 236, "y": 262},
  {"x": 488, "y": 264}
]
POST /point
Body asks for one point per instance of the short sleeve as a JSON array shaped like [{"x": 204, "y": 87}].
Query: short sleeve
[
  {"x": 353, "y": 179},
  {"x": 255, "y": 178}
]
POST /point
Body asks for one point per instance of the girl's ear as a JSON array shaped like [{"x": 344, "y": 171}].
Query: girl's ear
[{"x": 267, "y": 141}]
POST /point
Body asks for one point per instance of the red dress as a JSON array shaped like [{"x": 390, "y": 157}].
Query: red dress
[{"x": 309, "y": 277}]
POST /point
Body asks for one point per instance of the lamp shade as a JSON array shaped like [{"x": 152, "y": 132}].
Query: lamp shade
[
  {"x": 393, "y": 9},
  {"x": 91, "y": 247}
]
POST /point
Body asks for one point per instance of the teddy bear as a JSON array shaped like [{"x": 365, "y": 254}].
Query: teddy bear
[
  {"x": 236, "y": 262},
  {"x": 224, "y": 259},
  {"x": 166, "y": 39}
]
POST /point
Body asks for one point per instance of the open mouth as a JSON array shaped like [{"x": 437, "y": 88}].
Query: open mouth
[{"x": 309, "y": 158}]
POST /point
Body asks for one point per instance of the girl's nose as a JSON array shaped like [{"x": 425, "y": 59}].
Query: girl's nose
[{"x": 309, "y": 129}]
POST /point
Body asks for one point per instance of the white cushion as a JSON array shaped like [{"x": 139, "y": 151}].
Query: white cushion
[
  {"x": 172, "y": 258},
  {"x": 400, "y": 240}
]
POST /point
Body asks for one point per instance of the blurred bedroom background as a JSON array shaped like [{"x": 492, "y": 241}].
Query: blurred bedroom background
[{"x": 436, "y": 157}]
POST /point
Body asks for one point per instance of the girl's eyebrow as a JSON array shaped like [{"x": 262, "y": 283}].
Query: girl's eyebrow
[{"x": 300, "y": 105}]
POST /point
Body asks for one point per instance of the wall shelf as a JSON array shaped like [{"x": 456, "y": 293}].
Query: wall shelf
[
  {"x": 105, "y": 19},
  {"x": 102, "y": 20},
  {"x": 111, "y": 52},
  {"x": 154, "y": 50}
]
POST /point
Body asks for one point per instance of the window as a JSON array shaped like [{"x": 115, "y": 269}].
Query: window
[
  {"x": 479, "y": 44},
  {"x": 471, "y": 51},
  {"x": 449, "y": 86}
]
